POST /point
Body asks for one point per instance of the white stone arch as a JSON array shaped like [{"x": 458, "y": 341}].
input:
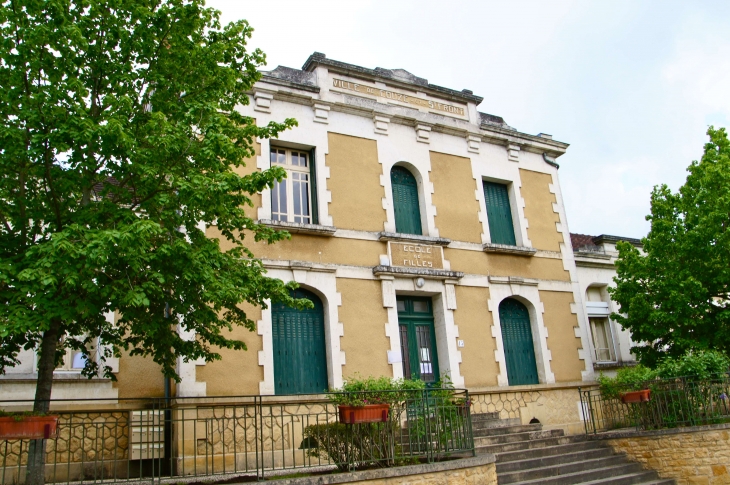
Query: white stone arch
[
  {"x": 321, "y": 281},
  {"x": 527, "y": 294}
]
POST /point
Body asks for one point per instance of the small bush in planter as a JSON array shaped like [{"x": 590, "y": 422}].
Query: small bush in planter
[{"x": 27, "y": 425}]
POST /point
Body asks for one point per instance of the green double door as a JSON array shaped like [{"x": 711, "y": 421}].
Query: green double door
[
  {"x": 519, "y": 349},
  {"x": 417, "y": 339},
  {"x": 300, "y": 358}
]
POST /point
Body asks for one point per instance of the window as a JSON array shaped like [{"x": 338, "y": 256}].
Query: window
[
  {"x": 405, "y": 201},
  {"x": 291, "y": 199},
  {"x": 499, "y": 214},
  {"x": 602, "y": 341},
  {"x": 74, "y": 360}
]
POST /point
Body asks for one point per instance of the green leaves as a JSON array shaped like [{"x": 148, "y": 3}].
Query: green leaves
[
  {"x": 118, "y": 138},
  {"x": 674, "y": 296}
]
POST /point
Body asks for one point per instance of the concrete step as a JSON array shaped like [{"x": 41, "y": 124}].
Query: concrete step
[
  {"x": 623, "y": 474},
  {"x": 495, "y": 423},
  {"x": 546, "y": 451},
  {"x": 528, "y": 445},
  {"x": 484, "y": 416},
  {"x": 584, "y": 466},
  {"x": 516, "y": 437},
  {"x": 552, "y": 460},
  {"x": 495, "y": 430},
  {"x": 632, "y": 478}
]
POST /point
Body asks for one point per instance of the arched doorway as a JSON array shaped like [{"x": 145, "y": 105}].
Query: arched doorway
[
  {"x": 405, "y": 201},
  {"x": 519, "y": 351},
  {"x": 300, "y": 359}
]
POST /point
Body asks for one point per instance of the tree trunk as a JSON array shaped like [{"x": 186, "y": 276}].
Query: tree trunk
[{"x": 35, "y": 473}]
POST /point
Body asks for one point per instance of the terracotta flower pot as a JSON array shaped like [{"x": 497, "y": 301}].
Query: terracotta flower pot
[
  {"x": 370, "y": 413},
  {"x": 636, "y": 396},
  {"x": 28, "y": 427}
]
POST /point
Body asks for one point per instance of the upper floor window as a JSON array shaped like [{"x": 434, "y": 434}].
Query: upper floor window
[
  {"x": 602, "y": 341},
  {"x": 405, "y": 201},
  {"x": 291, "y": 199},
  {"x": 499, "y": 214}
]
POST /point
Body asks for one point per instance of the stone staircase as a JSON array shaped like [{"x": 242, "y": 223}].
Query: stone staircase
[{"x": 527, "y": 454}]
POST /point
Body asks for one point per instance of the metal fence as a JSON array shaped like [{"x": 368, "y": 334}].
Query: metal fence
[
  {"x": 672, "y": 403},
  {"x": 217, "y": 438}
]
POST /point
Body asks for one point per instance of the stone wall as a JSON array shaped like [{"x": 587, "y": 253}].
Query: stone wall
[
  {"x": 692, "y": 456},
  {"x": 554, "y": 406}
]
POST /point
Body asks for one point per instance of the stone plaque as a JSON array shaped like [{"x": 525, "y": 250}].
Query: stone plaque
[
  {"x": 413, "y": 255},
  {"x": 388, "y": 95}
]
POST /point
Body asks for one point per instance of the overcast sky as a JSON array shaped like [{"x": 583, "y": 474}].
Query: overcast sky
[{"x": 632, "y": 86}]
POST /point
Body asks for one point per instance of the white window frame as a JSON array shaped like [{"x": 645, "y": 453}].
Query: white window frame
[
  {"x": 294, "y": 175},
  {"x": 73, "y": 362},
  {"x": 608, "y": 331}
]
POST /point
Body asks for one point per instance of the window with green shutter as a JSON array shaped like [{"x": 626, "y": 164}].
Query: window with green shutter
[
  {"x": 405, "y": 201},
  {"x": 300, "y": 359},
  {"x": 499, "y": 214}
]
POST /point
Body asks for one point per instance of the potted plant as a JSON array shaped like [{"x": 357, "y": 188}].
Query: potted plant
[
  {"x": 27, "y": 426},
  {"x": 630, "y": 397},
  {"x": 368, "y": 400}
]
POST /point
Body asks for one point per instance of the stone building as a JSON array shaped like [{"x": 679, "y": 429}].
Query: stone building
[
  {"x": 431, "y": 237},
  {"x": 595, "y": 258}
]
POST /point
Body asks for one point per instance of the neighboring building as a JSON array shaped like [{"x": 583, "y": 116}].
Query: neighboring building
[
  {"x": 595, "y": 257},
  {"x": 431, "y": 237}
]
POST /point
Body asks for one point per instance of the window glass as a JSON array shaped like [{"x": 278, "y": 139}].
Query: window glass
[
  {"x": 420, "y": 306},
  {"x": 291, "y": 198},
  {"x": 602, "y": 341}
]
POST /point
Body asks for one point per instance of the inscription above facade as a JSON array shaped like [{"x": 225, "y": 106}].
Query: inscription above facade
[{"x": 399, "y": 97}]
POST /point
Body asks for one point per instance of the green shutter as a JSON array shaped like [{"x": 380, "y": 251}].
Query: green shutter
[
  {"x": 519, "y": 349},
  {"x": 300, "y": 360},
  {"x": 405, "y": 202},
  {"x": 499, "y": 214}
]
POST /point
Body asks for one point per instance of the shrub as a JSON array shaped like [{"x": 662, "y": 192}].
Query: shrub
[
  {"x": 358, "y": 391},
  {"x": 352, "y": 446}
]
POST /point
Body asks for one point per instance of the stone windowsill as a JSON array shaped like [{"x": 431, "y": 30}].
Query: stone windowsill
[
  {"x": 434, "y": 274},
  {"x": 506, "y": 248},
  {"x": 612, "y": 365},
  {"x": 298, "y": 228},
  {"x": 57, "y": 377},
  {"x": 414, "y": 238},
  {"x": 591, "y": 254}
]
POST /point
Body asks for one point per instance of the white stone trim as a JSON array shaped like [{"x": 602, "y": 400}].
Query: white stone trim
[
  {"x": 262, "y": 101},
  {"x": 321, "y": 113},
  {"x": 380, "y": 124},
  {"x": 529, "y": 295},
  {"x": 472, "y": 143},
  {"x": 324, "y": 284}
]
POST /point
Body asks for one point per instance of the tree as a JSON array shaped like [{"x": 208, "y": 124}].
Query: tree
[
  {"x": 118, "y": 142},
  {"x": 675, "y": 296}
]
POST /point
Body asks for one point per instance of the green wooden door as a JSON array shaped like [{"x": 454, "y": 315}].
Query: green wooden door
[
  {"x": 300, "y": 359},
  {"x": 519, "y": 350},
  {"x": 499, "y": 214},
  {"x": 405, "y": 201},
  {"x": 417, "y": 339}
]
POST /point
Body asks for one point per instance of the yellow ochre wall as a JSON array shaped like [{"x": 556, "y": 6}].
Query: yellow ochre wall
[
  {"x": 139, "y": 377},
  {"x": 239, "y": 372},
  {"x": 357, "y": 196},
  {"x": 457, "y": 208},
  {"x": 506, "y": 265},
  {"x": 478, "y": 366},
  {"x": 561, "y": 341},
  {"x": 539, "y": 212},
  {"x": 364, "y": 319}
]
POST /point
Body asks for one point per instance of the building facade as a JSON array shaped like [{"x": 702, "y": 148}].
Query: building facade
[
  {"x": 595, "y": 258},
  {"x": 431, "y": 237}
]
